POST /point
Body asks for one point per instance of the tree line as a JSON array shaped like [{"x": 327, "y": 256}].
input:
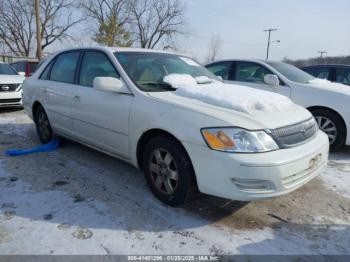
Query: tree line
[
  {"x": 140, "y": 23},
  {"x": 329, "y": 60}
]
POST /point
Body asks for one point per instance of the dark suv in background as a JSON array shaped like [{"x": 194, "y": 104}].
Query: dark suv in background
[
  {"x": 334, "y": 73},
  {"x": 26, "y": 66}
]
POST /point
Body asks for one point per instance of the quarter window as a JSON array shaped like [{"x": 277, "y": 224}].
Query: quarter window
[
  {"x": 319, "y": 72},
  {"x": 250, "y": 72},
  {"x": 343, "y": 76},
  {"x": 95, "y": 64},
  {"x": 221, "y": 69},
  {"x": 64, "y": 67}
]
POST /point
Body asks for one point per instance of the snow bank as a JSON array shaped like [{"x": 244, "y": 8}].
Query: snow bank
[{"x": 239, "y": 98}]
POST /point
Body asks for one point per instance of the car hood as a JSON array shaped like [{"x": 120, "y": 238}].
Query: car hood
[
  {"x": 291, "y": 114},
  {"x": 11, "y": 79}
]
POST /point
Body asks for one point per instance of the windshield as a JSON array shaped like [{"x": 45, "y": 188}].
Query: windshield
[
  {"x": 7, "y": 70},
  {"x": 147, "y": 70},
  {"x": 291, "y": 72}
]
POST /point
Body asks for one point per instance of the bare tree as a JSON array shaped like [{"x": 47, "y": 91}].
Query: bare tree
[
  {"x": 112, "y": 19},
  {"x": 57, "y": 18},
  {"x": 16, "y": 26},
  {"x": 215, "y": 47},
  {"x": 154, "y": 21}
]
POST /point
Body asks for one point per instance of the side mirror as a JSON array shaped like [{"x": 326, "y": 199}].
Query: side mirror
[
  {"x": 272, "y": 80},
  {"x": 220, "y": 78},
  {"x": 21, "y": 73},
  {"x": 110, "y": 84}
]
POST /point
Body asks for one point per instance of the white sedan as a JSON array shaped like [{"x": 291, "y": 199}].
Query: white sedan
[
  {"x": 173, "y": 119},
  {"x": 328, "y": 102},
  {"x": 10, "y": 86}
]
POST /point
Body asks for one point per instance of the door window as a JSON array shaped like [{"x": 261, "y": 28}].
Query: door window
[
  {"x": 250, "y": 72},
  {"x": 343, "y": 76},
  {"x": 95, "y": 64},
  {"x": 64, "y": 67},
  {"x": 221, "y": 69}
]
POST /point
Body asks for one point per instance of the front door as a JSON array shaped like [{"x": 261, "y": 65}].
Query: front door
[
  {"x": 252, "y": 74},
  {"x": 100, "y": 118}
]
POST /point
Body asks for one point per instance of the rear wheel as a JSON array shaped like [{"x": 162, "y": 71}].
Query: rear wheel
[
  {"x": 43, "y": 126},
  {"x": 333, "y": 125},
  {"x": 168, "y": 170}
]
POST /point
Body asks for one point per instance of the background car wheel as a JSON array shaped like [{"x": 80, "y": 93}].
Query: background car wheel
[
  {"x": 43, "y": 126},
  {"x": 332, "y": 124},
  {"x": 168, "y": 170}
]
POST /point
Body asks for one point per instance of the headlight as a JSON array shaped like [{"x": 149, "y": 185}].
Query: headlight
[{"x": 238, "y": 140}]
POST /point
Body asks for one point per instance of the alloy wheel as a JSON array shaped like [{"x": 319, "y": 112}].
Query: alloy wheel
[
  {"x": 43, "y": 126},
  {"x": 164, "y": 172},
  {"x": 329, "y": 127}
]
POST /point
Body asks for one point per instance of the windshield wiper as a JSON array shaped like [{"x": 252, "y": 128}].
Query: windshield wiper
[{"x": 162, "y": 85}]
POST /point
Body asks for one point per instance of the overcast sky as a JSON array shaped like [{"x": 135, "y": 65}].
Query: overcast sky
[{"x": 304, "y": 27}]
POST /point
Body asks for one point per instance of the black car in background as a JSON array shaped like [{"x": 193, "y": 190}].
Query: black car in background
[
  {"x": 335, "y": 73},
  {"x": 26, "y": 66}
]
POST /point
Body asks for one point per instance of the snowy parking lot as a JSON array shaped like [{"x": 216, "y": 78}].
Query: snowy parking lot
[{"x": 78, "y": 201}]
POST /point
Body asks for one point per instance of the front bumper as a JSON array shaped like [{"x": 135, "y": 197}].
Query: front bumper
[
  {"x": 248, "y": 177},
  {"x": 9, "y": 99}
]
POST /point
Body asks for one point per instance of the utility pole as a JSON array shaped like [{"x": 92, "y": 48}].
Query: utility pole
[
  {"x": 38, "y": 29},
  {"x": 269, "y": 41},
  {"x": 322, "y": 53}
]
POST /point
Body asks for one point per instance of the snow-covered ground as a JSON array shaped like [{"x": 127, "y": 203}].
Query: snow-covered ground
[{"x": 78, "y": 201}]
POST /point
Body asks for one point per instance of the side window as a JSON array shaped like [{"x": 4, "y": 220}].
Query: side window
[
  {"x": 221, "y": 69},
  {"x": 250, "y": 72},
  {"x": 95, "y": 64},
  {"x": 45, "y": 75},
  {"x": 319, "y": 72},
  {"x": 63, "y": 70},
  {"x": 343, "y": 76}
]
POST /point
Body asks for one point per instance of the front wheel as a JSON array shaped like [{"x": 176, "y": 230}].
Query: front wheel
[
  {"x": 333, "y": 125},
  {"x": 168, "y": 170},
  {"x": 43, "y": 126}
]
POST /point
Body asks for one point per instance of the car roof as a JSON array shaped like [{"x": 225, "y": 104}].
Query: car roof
[
  {"x": 240, "y": 60},
  {"x": 328, "y": 65},
  {"x": 121, "y": 49},
  {"x": 26, "y": 60}
]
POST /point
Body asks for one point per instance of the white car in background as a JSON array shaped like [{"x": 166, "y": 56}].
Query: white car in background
[
  {"x": 173, "y": 119},
  {"x": 328, "y": 102},
  {"x": 10, "y": 86}
]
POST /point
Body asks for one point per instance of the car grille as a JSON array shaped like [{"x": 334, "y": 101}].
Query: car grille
[
  {"x": 296, "y": 134},
  {"x": 8, "y": 87},
  {"x": 9, "y": 101}
]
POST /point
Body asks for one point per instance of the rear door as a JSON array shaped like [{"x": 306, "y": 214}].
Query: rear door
[
  {"x": 57, "y": 84},
  {"x": 100, "y": 118},
  {"x": 252, "y": 74}
]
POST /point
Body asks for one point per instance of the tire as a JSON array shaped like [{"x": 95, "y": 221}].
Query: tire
[
  {"x": 43, "y": 126},
  {"x": 333, "y": 125},
  {"x": 168, "y": 170}
]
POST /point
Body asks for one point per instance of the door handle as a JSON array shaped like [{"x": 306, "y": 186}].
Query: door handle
[{"x": 76, "y": 98}]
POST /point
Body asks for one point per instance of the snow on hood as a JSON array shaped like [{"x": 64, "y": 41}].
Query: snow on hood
[
  {"x": 319, "y": 81},
  {"x": 330, "y": 86},
  {"x": 239, "y": 98}
]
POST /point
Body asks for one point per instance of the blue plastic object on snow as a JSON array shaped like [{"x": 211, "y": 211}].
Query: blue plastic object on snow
[{"x": 53, "y": 145}]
